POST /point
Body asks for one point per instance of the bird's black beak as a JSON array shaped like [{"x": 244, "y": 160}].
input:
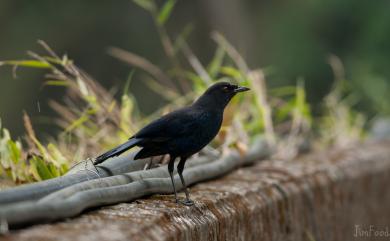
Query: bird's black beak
[{"x": 241, "y": 89}]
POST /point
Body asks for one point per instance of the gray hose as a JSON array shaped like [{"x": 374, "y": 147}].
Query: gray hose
[
  {"x": 34, "y": 191},
  {"x": 160, "y": 172},
  {"x": 70, "y": 203}
]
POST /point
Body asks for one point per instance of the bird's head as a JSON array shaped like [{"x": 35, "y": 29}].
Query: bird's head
[{"x": 219, "y": 94}]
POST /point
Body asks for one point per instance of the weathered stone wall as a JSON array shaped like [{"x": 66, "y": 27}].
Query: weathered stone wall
[{"x": 321, "y": 196}]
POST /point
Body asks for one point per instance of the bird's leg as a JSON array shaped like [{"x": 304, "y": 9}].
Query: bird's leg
[
  {"x": 159, "y": 163},
  {"x": 171, "y": 165},
  {"x": 149, "y": 165},
  {"x": 180, "y": 168}
]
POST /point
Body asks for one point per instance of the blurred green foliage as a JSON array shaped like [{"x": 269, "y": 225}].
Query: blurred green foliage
[
  {"x": 294, "y": 38},
  {"x": 20, "y": 166}
]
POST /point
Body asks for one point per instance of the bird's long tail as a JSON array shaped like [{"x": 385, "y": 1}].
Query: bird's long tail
[{"x": 117, "y": 150}]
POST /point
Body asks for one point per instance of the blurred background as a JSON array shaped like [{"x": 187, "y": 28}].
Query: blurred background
[{"x": 291, "y": 39}]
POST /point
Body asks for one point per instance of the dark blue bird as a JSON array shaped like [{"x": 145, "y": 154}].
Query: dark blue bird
[{"x": 183, "y": 132}]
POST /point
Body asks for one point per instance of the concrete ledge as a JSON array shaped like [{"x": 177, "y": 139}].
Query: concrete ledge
[{"x": 321, "y": 196}]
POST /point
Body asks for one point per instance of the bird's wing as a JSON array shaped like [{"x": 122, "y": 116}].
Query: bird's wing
[{"x": 175, "y": 124}]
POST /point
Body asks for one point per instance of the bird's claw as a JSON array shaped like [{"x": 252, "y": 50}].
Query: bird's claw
[{"x": 187, "y": 202}]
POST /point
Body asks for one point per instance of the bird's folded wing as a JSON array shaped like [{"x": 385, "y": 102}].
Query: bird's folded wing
[{"x": 175, "y": 124}]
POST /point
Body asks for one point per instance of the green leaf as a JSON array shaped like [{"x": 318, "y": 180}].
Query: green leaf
[
  {"x": 198, "y": 83},
  {"x": 148, "y": 5},
  {"x": 82, "y": 87},
  {"x": 64, "y": 169},
  {"x": 126, "y": 113},
  {"x": 40, "y": 147},
  {"x": 14, "y": 151},
  {"x": 34, "y": 170},
  {"x": 182, "y": 37},
  {"x": 57, "y": 83},
  {"x": 165, "y": 12},
  {"x": 215, "y": 64},
  {"x": 26, "y": 63},
  {"x": 77, "y": 123},
  {"x": 231, "y": 71},
  {"x": 57, "y": 156},
  {"x": 42, "y": 168},
  {"x": 128, "y": 81},
  {"x": 53, "y": 170},
  {"x": 5, "y": 159},
  {"x": 284, "y": 111}
]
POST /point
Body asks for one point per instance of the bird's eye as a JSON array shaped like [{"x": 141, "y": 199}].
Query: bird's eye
[{"x": 225, "y": 89}]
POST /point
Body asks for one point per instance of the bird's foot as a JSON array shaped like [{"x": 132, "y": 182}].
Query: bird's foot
[{"x": 187, "y": 202}]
